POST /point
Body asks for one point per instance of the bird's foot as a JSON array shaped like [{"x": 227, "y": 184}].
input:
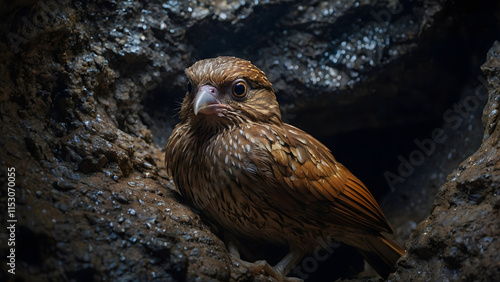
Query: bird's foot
[{"x": 262, "y": 265}]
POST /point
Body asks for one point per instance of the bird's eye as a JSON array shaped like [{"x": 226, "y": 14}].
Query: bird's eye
[
  {"x": 240, "y": 89},
  {"x": 190, "y": 87}
]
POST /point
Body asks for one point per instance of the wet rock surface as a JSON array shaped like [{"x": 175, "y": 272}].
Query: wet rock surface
[
  {"x": 90, "y": 91},
  {"x": 458, "y": 241}
]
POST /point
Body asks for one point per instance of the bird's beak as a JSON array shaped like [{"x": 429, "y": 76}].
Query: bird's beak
[{"x": 206, "y": 102}]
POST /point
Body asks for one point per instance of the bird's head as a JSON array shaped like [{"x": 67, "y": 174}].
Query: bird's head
[{"x": 226, "y": 91}]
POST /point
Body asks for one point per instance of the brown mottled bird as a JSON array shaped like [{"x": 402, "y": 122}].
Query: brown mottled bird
[{"x": 259, "y": 178}]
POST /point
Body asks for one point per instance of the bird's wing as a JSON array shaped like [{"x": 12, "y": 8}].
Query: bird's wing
[{"x": 311, "y": 182}]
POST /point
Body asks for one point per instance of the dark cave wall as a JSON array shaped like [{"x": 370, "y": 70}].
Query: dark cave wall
[
  {"x": 458, "y": 241},
  {"x": 90, "y": 91}
]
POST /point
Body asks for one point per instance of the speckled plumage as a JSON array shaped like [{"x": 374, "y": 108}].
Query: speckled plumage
[{"x": 263, "y": 179}]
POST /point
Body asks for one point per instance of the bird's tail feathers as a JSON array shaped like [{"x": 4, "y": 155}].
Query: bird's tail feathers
[{"x": 382, "y": 254}]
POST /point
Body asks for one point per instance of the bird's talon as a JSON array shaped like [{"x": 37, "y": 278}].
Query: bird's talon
[{"x": 262, "y": 265}]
